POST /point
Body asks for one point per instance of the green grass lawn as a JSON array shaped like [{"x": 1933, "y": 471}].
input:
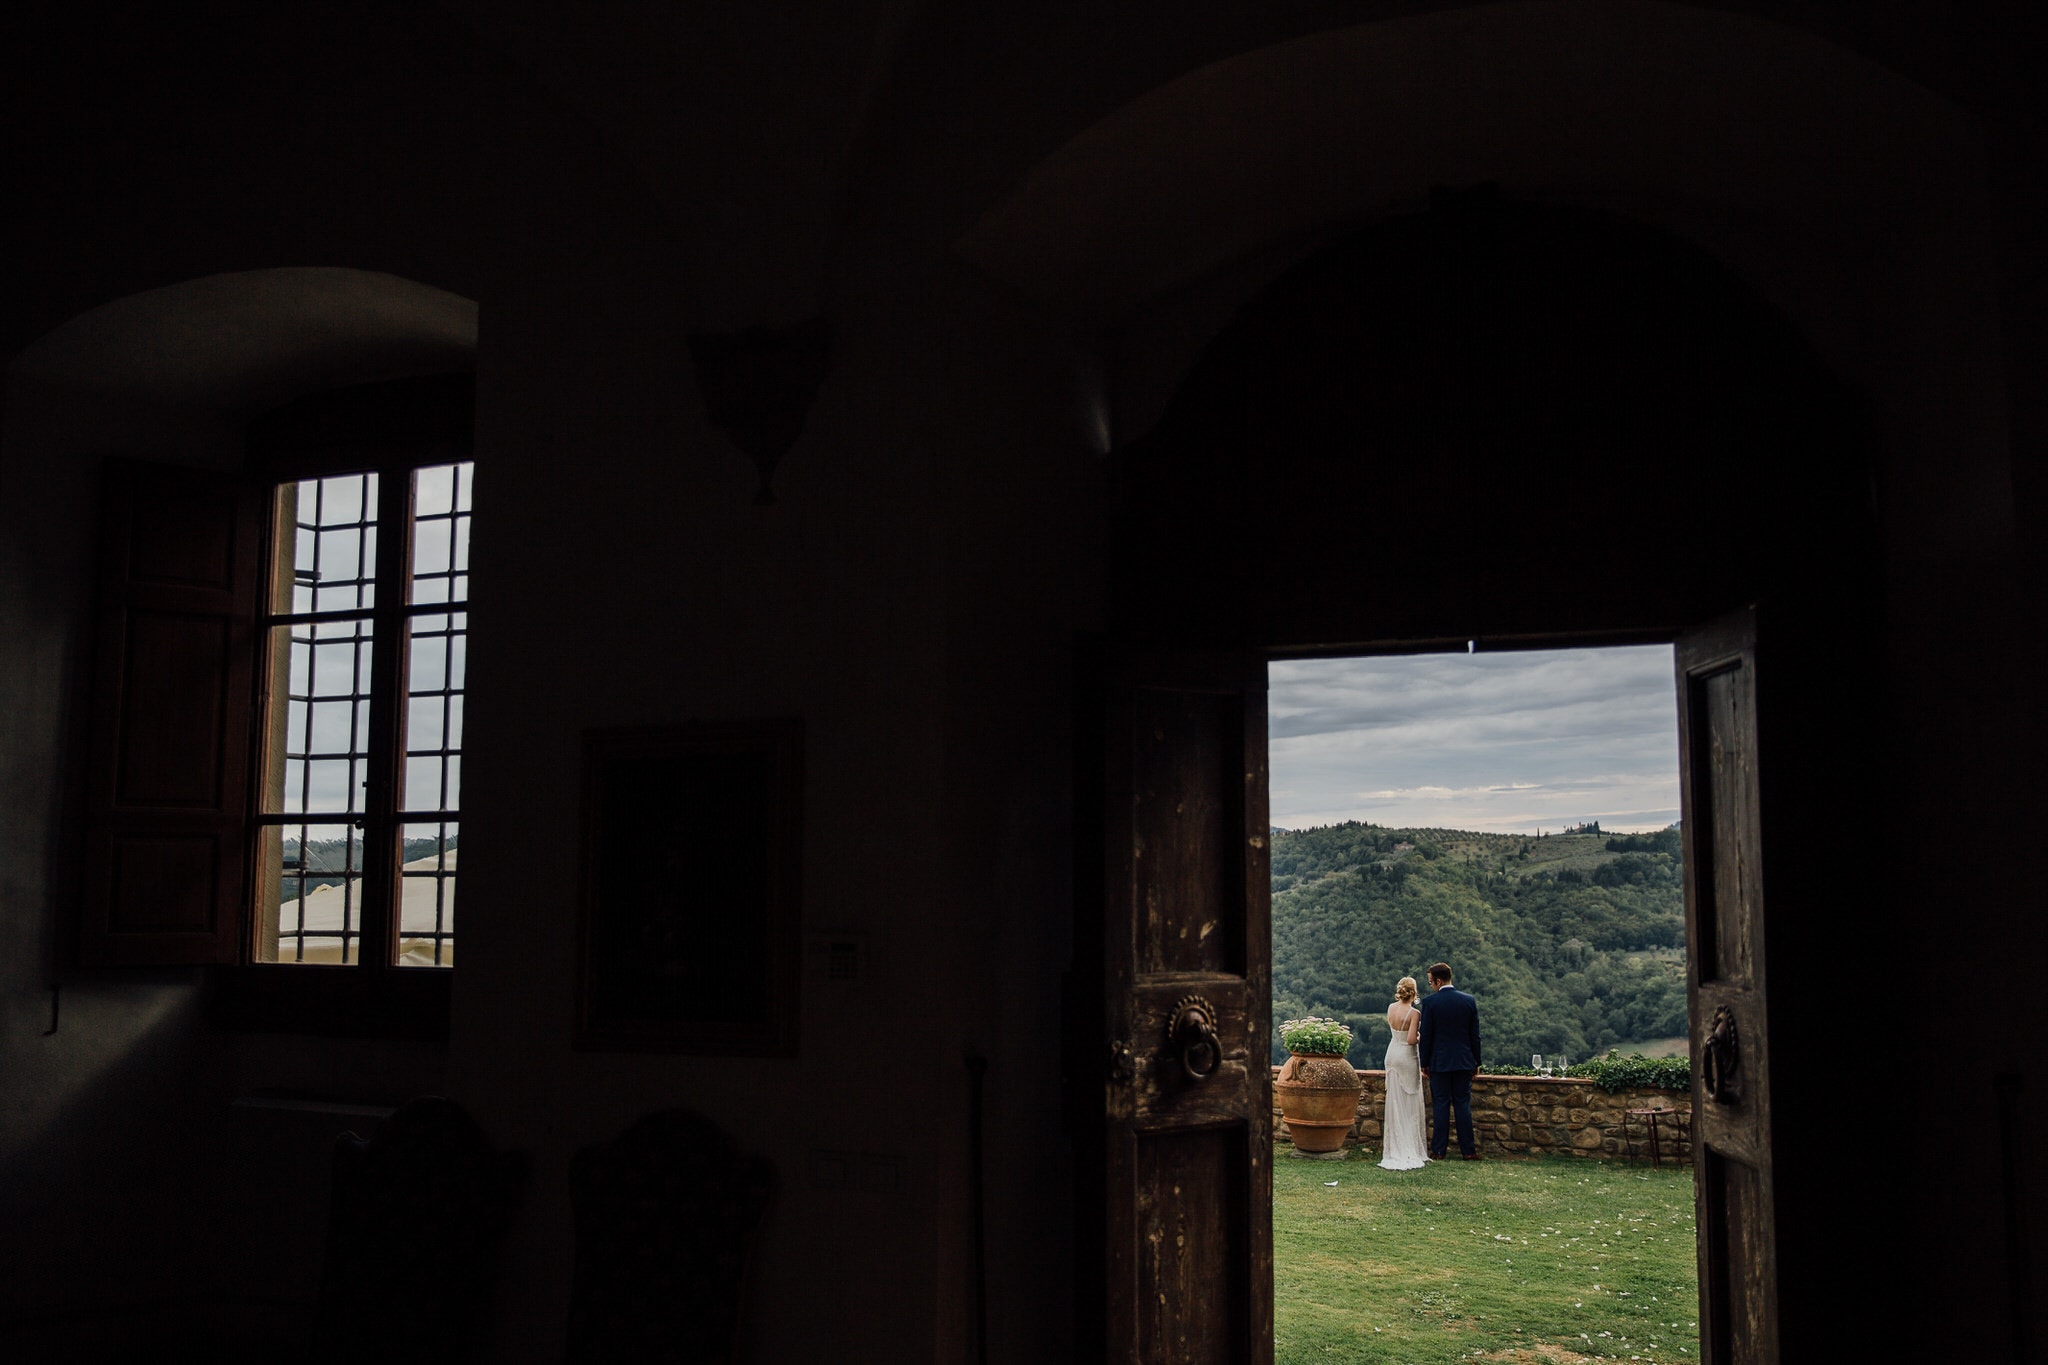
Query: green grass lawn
[{"x": 1536, "y": 1260}]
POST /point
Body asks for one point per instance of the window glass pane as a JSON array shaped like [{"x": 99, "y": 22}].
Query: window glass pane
[
  {"x": 334, "y": 667},
  {"x": 329, "y": 632},
  {"x": 346, "y": 498},
  {"x": 440, "y": 537},
  {"x": 433, "y": 491},
  {"x": 422, "y": 783},
  {"x": 333, "y": 728},
  {"x": 423, "y": 727},
  {"x": 327, "y": 536},
  {"x": 431, "y": 546},
  {"x": 311, "y": 896},
  {"x": 328, "y": 785},
  {"x": 301, "y": 668},
  {"x": 344, "y": 597},
  {"x": 426, "y": 911},
  {"x": 433, "y": 769},
  {"x": 312, "y": 893},
  {"x": 332, "y": 731},
  {"x": 429, "y": 671},
  {"x": 341, "y": 555}
]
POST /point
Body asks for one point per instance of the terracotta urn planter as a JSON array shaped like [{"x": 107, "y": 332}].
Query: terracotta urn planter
[{"x": 1319, "y": 1101}]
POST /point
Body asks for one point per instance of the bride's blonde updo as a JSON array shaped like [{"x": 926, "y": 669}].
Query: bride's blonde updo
[{"x": 1405, "y": 990}]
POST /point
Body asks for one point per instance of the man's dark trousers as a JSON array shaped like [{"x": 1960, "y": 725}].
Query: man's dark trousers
[{"x": 1450, "y": 1091}]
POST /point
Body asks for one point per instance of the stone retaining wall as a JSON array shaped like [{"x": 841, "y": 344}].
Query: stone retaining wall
[{"x": 1523, "y": 1115}]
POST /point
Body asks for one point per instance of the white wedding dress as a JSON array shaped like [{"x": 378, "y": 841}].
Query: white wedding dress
[{"x": 1403, "y": 1146}]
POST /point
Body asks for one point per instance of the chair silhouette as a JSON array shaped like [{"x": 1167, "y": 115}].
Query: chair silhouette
[
  {"x": 665, "y": 1224},
  {"x": 418, "y": 1221}
]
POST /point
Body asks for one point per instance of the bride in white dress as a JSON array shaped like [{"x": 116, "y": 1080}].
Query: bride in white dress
[{"x": 1403, "y": 1146}]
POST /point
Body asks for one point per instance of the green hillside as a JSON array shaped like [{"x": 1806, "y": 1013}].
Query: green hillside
[{"x": 1572, "y": 943}]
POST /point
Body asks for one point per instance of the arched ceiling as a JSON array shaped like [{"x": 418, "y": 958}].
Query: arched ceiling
[
  {"x": 747, "y": 158},
  {"x": 242, "y": 342},
  {"x": 1579, "y": 96}
]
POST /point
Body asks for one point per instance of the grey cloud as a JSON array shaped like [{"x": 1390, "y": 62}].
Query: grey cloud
[{"x": 1485, "y": 741}]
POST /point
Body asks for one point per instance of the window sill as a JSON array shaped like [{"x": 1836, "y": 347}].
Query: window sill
[{"x": 330, "y": 1002}]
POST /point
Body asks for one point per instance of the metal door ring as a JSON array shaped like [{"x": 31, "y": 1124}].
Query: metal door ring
[
  {"x": 1193, "y": 1031},
  {"x": 1721, "y": 1058}
]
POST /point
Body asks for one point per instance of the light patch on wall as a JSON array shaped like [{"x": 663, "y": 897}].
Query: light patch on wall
[{"x": 96, "y": 1031}]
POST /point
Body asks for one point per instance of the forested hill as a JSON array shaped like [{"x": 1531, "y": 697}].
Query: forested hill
[{"x": 1572, "y": 942}]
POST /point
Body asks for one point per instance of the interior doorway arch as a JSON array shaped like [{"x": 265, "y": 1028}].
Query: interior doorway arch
[
  {"x": 1492, "y": 420},
  {"x": 1510, "y": 424}
]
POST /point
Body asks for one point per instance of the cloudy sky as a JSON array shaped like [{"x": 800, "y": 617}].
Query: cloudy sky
[{"x": 1510, "y": 741}]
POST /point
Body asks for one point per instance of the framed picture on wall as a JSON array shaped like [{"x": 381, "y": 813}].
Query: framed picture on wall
[{"x": 689, "y": 906}]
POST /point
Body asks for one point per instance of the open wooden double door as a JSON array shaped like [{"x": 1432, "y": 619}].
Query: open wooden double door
[{"x": 1171, "y": 1075}]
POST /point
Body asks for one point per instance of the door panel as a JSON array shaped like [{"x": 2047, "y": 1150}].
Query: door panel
[
  {"x": 1191, "y": 1191},
  {"x": 1187, "y": 815},
  {"x": 1177, "y": 1262},
  {"x": 173, "y": 714},
  {"x": 1723, "y": 739},
  {"x": 1721, "y": 793}
]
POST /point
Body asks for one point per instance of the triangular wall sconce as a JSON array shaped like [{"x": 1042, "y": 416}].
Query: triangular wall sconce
[{"x": 758, "y": 386}]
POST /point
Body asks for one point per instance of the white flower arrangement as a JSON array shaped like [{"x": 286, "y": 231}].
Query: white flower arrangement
[{"x": 1315, "y": 1037}]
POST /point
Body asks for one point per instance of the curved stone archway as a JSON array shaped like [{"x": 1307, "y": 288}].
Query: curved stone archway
[{"x": 238, "y": 343}]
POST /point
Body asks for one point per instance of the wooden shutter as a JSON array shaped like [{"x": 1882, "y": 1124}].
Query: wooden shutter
[
  {"x": 1721, "y": 795},
  {"x": 168, "y": 791},
  {"x": 1176, "y": 1171}
]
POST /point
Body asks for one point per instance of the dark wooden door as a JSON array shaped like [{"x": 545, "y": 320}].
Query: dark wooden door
[
  {"x": 1721, "y": 795},
  {"x": 1173, "y": 1072}
]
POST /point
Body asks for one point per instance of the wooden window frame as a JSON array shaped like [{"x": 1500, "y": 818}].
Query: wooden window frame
[
  {"x": 383, "y": 814},
  {"x": 372, "y": 994},
  {"x": 174, "y": 856}
]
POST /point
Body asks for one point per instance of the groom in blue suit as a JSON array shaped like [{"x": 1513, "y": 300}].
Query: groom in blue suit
[{"x": 1449, "y": 1053}]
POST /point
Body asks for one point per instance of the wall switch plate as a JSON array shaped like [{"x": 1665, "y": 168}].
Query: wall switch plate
[
  {"x": 830, "y": 1170},
  {"x": 838, "y": 956},
  {"x": 874, "y": 1172}
]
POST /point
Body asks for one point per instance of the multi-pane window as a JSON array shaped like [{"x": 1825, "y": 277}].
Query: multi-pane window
[{"x": 367, "y": 646}]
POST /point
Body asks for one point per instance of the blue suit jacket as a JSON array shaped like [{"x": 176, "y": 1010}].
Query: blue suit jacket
[{"x": 1450, "y": 1031}]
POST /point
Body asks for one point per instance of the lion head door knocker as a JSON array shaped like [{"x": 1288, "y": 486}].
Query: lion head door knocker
[
  {"x": 1193, "y": 1032},
  {"x": 1721, "y": 1058}
]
